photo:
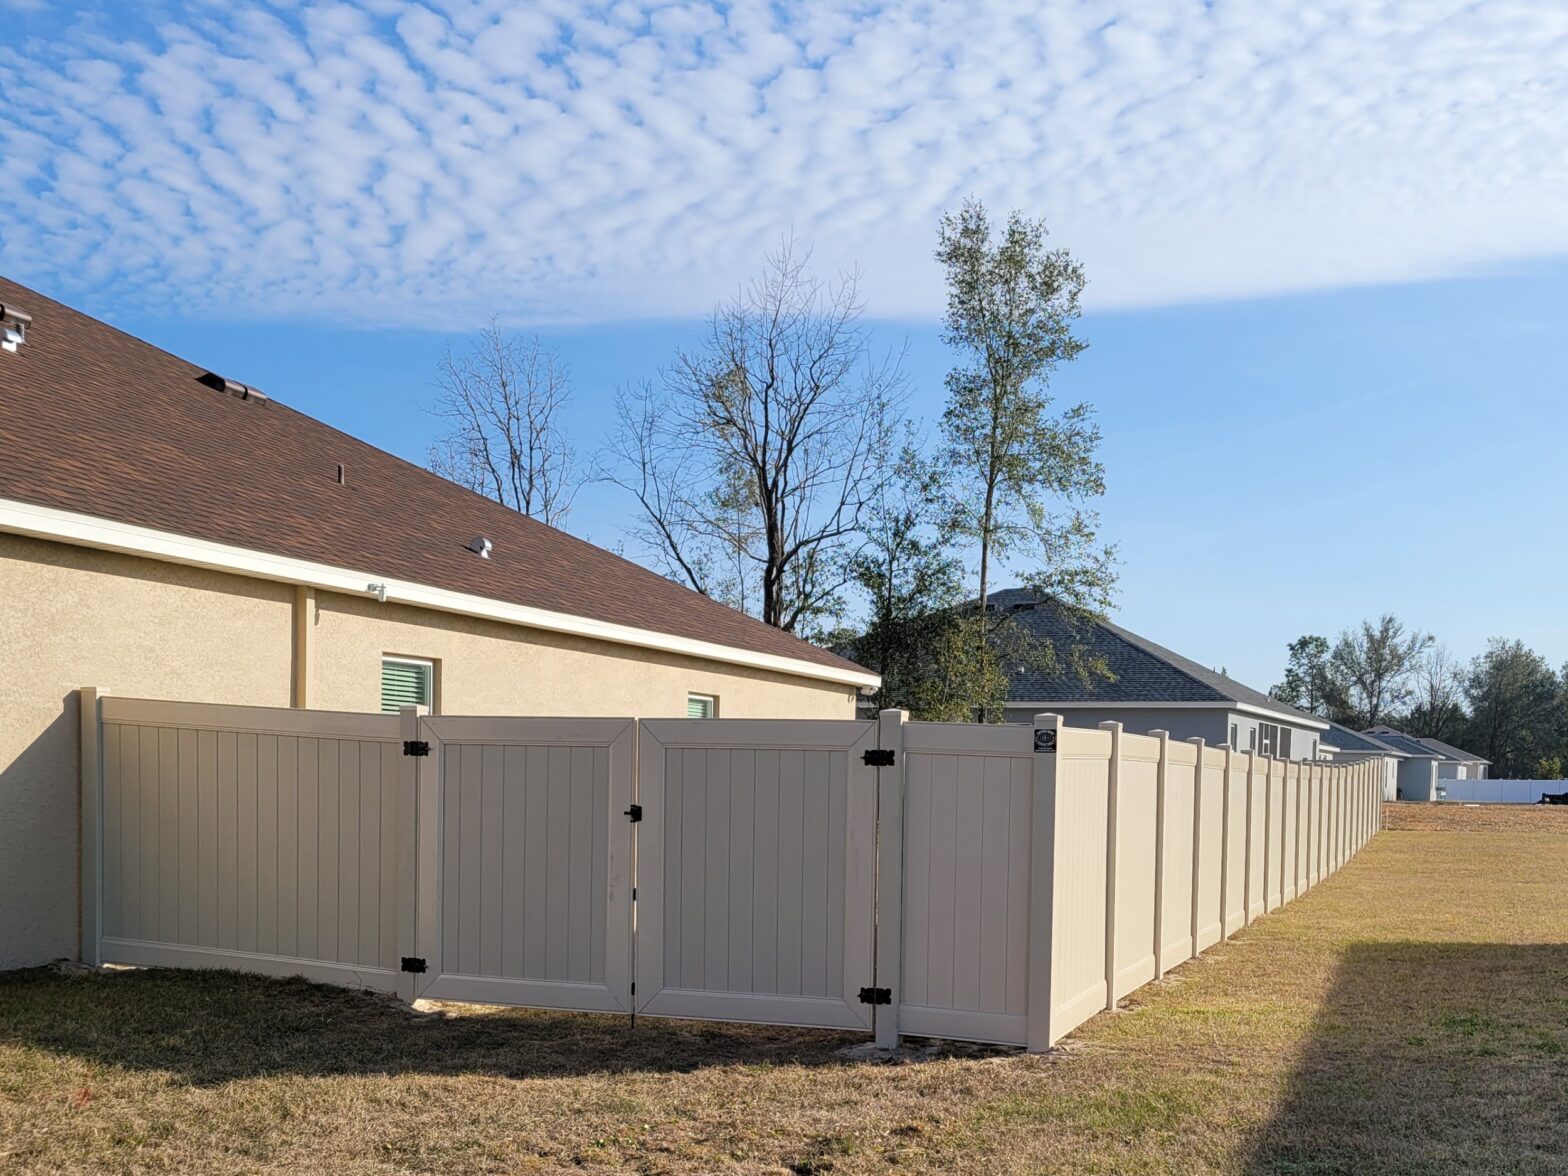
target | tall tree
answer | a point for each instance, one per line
(502, 399)
(755, 464)
(1307, 685)
(1373, 665)
(1437, 708)
(1514, 708)
(1019, 472)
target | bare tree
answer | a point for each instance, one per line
(756, 462)
(502, 399)
(1438, 707)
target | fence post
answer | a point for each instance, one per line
(1042, 881)
(1112, 836)
(1225, 843)
(1268, 828)
(890, 875)
(90, 827)
(1159, 852)
(408, 816)
(1197, 836)
(1246, 861)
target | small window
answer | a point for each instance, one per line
(406, 681)
(1252, 739)
(1235, 741)
(702, 706)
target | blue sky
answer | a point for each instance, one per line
(1328, 249)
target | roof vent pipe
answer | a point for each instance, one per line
(481, 547)
(13, 327)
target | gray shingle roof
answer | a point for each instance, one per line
(1450, 751)
(1347, 740)
(1142, 670)
(1405, 743)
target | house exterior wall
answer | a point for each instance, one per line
(1418, 780)
(488, 668)
(73, 616)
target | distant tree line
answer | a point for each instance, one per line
(772, 465)
(1507, 704)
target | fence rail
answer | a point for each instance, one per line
(991, 883)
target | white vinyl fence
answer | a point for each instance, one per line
(1498, 791)
(990, 883)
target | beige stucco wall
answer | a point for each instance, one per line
(73, 617)
(487, 668)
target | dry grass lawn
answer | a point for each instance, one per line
(1409, 1015)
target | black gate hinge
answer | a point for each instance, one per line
(876, 996)
(634, 813)
(879, 757)
(415, 747)
(413, 964)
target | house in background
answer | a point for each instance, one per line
(1456, 764)
(166, 532)
(1342, 745)
(1150, 687)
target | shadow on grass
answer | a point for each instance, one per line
(1431, 1057)
(210, 1027)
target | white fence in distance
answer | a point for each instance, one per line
(1498, 791)
(990, 883)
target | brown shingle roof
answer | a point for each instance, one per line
(97, 422)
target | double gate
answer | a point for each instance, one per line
(682, 868)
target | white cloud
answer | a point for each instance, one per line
(392, 161)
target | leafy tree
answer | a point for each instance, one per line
(1514, 708)
(1019, 473)
(1549, 768)
(1307, 685)
(1372, 667)
(756, 463)
(502, 399)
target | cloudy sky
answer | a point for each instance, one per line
(388, 163)
(1299, 220)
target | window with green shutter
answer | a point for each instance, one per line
(701, 706)
(407, 682)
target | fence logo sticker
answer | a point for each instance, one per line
(1045, 741)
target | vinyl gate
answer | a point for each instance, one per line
(756, 871)
(524, 862)
(990, 883)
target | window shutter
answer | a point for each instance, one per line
(404, 684)
(699, 706)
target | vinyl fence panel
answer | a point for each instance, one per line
(213, 855)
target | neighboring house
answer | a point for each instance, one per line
(167, 533)
(1457, 764)
(1150, 687)
(1418, 771)
(1342, 745)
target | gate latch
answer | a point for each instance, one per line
(634, 813)
(878, 757)
(413, 964)
(876, 996)
(416, 747)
